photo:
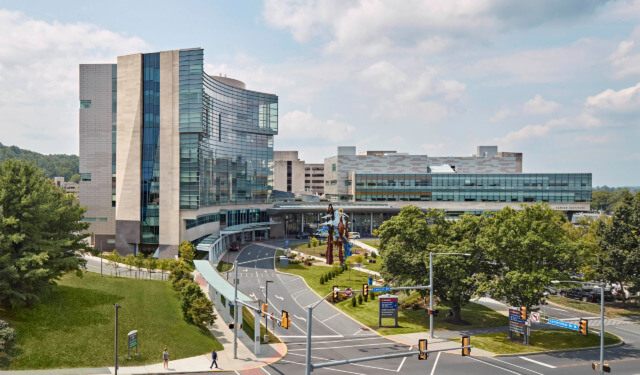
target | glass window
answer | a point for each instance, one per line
(85, 176)
(85, 104)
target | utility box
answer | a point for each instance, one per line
(284, 262)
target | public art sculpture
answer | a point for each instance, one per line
(337, 220)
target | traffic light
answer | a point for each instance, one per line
(466, 341)
(583, 327)
(264, 308)
(365, 290)
(422, 346)
(335, 292)
(286, 321)
(523, 313)
(605, 367)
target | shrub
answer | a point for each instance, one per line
(200, 312)
(322, 280)
(366, 298)
(374, 255)
(353, 301)
(7, 337)
(309, 245)
(373, 296)
(359, 299)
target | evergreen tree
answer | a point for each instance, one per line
(40, 230)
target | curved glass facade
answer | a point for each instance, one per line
(528, 187)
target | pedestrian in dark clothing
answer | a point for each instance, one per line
(214, 358)
(165, 358)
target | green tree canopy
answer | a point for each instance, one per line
(187, 252)
(526, 250)
(59, 165)
(39, 233)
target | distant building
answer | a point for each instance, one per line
(292, 175)
(69, 187)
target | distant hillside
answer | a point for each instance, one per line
(53, 165)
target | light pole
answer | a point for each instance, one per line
(431, 287)
(235, 311)
(544, 304)
(117, 307)
(266, 299)
(601, 317)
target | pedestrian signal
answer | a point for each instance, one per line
(365, 290)
(286, 322)
(583, 327)
(335, 292)
(523, 313)
(466, 341)
(422, 346)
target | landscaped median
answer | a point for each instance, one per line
(73, 326)
(539, 341)
(612, 309)
(409, 320)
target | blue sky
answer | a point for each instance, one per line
(556, 80)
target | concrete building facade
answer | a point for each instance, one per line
(292, 175)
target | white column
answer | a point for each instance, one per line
(253, 235)
(301, 223)
(371, 231)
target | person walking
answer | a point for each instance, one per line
(214, 358)
(165, 357)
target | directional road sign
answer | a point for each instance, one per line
(348, 292)
(381, 289)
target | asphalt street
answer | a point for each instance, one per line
(337, 337)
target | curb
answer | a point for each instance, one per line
(563, 350)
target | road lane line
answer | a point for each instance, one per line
(433, 370)
(353, 364)
(331, 317)
(333, 342)
(265, 371)
(402, 364)
(358, 331)
(555, 308)
(326, 368)
(540, 363)
(350, 346)
(520, 367)
(297, 317)
(304, 337)
(496, 366)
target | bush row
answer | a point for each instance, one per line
(197, 309)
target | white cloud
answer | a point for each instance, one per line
(625, 60)
(501, 115)
(539, 106)
(376, 27)
(622, 101)
(39, 73)
(527, 132)
(299, 125)
(400, 94)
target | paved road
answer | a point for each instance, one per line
(336, 336)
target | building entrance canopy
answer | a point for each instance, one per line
(219, 283)
(246, 227)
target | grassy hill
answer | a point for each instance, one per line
(73, 327)
(53, 165)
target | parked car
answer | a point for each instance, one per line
(586, 295)
(303, 235)
(354, 235)
(235, 246)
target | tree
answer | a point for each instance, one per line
(179, 272)
(130, 260)
(187, 252)
(619, 242)
(74, 178)
(201, 312)
(152, 264)
(526, 250)
(313, 242)
(164, 266)
(40, 233)
(114, 260)
(139, 262)
(375, 232)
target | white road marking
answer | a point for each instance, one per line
(540, 363)
(304, 337)
(326, 368)
(297, 317)
(331, 317)
(252, 295)
(520, 367)
(280, 298)
(402, 364)
(353, 364)
(435, 363)
(349, 346)
(265, 371)
(331, 342)
(358, 331)
(555, 308)
(496, 366)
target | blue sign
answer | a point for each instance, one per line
(514, 316)
(381, 289)
(286, 243)
(562, 324)
(386, 304)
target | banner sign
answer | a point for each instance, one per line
(562, 324)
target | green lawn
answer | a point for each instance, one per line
(224, 266)
(539, 341)
(409, 320)
(373, 266)
(321, 250)
(375, 244)
(612, 309)
(73, 326)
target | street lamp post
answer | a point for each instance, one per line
(431, 287)
(235, 311)
(116, 364)
(601, 317)
(266, 299)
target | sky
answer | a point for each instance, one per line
(558, 81)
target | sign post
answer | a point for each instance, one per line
(133, 341)
(388, 308)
